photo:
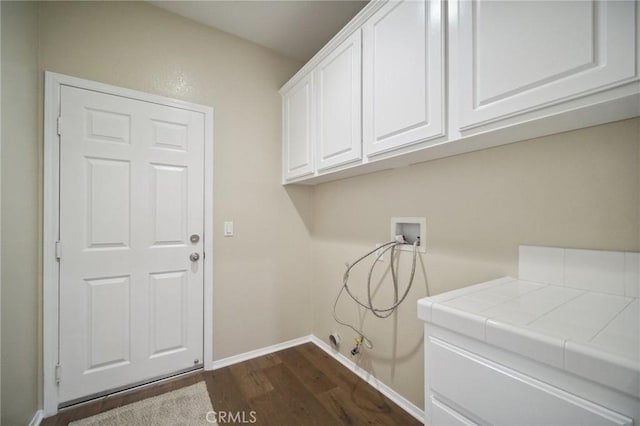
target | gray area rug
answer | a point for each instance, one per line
(186, 406)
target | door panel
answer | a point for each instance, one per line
(402, 75)
(131, 194)
(108, 210)
(510, 63)
(298, 129)
(107, 126)
(108, 322)
(168, 320)
(338, 89)
(168, 135)
(169, 189)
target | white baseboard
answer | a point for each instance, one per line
(394, 396)
(37, 418)
(225, 362)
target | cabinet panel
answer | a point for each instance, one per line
(389, 88)
(502, 396)
(402, 75)
(297, 129)
(338, 92)
(443, 415)
(516, 57)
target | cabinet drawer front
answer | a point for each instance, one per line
(443, 415)
(402, 75)
(501, 396)
(517, 57)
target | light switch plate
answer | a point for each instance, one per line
(228, 229)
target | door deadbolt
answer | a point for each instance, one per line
(194, 238)
(194, 257)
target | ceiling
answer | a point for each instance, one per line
(294, 28)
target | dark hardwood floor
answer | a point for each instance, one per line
(297, 386)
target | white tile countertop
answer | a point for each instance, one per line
(584, 318)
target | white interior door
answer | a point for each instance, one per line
(131, 196)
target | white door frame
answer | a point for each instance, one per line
(50, 264)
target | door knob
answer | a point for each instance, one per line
(194, 257)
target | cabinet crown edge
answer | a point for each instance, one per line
(354, 25)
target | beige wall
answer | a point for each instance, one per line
(20, 180)
(576, 189)
(261, 278)
(142, 47)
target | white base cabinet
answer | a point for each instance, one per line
(471, 383)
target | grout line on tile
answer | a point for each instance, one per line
(626, 273)
(564, 267)
(512, 298)
(611, 320)
(582, 293)
(468, 292)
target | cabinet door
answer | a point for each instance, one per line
(297, 130)
(338, 92)
(402, 75)
(519, 56)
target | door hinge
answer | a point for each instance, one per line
(58, 250)
(58, 373)
(59, 126)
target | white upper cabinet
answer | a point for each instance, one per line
(338, 112)
(297, 123)
(408, 81)
(402, 75)
(515, 57)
